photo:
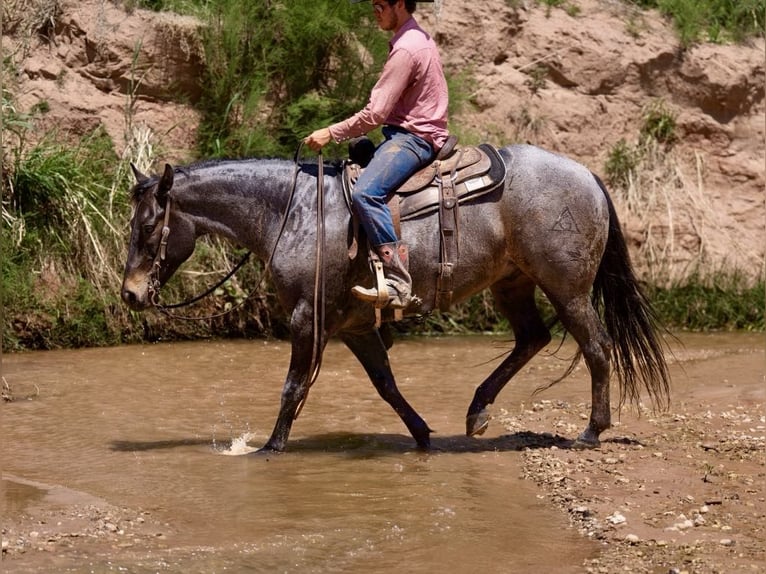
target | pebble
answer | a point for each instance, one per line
(632, 538)
(726, 542)
(616, 518)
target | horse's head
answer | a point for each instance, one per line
(160, 239)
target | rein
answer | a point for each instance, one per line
(318, 325)
(154, 282)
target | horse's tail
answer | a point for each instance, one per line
(631, 322)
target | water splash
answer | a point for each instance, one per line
(238, 445)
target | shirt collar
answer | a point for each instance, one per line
(408, 25)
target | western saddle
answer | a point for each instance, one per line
(457, 175)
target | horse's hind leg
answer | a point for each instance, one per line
(370, 350)
(515, 299)
(580, 319)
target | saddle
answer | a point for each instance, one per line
(460, 175)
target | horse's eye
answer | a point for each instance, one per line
(148, 229)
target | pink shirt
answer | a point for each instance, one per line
(411, 92)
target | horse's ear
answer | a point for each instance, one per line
(140, 177)
(166, 182)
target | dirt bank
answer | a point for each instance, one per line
(575, 79)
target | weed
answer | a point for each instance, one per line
(713, 20)
(536, 78)
(621, 164)
(725, 301)
(658, 123)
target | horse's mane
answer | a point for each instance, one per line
(187, 170)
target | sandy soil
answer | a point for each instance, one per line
(680, 491)
(684, 491)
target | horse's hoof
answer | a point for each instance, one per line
(586, 441)
(475, 425)
(266, 452)
(423, 439)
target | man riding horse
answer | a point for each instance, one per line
(410, 101)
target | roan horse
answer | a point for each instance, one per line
(551, 225)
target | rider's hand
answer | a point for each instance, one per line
(318, 139)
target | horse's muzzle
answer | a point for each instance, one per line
(137, 299)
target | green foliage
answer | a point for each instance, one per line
(723, 302)
(713, 20)
(659, 123)
(56, 188)
(537, 77)
(277, 71)
(658, 126)
(621, 164)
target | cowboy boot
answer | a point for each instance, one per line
(395, 259)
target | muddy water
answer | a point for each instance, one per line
(156, 430)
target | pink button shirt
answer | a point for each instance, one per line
(411, 92)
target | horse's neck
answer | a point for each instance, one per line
(239, 201)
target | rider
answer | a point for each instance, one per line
(410, 101)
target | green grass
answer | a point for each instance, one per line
(722, 302)
(712, 20)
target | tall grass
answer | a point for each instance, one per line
(274, 73)
(712, 20)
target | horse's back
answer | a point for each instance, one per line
(558, 216)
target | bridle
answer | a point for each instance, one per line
(159, 258)
(154, 278)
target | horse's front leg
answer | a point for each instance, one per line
(298, 379)
(370, 350)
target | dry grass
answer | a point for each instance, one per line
(680, 231)
(27, 18)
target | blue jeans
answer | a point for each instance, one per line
(399, 156)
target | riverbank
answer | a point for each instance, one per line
(682, 491)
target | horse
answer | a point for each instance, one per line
(551, 225)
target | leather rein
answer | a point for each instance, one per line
(159, 258)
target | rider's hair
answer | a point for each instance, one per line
(411, 5)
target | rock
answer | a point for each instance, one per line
(616, 518)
